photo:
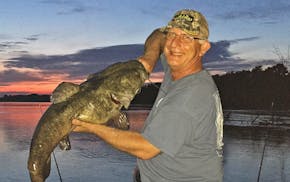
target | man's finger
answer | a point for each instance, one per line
(78, 129)
(76, 122)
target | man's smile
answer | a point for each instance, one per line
(175, 53)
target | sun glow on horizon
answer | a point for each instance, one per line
(155, 77)
(46, 87)
(42, 87)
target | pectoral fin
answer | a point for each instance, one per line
(120, 121)
(64, 144)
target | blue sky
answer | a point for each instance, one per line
(243, 33)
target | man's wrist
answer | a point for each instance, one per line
(145, 62)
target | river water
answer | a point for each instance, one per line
(250, 153)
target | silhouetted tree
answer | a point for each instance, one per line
(256, 89)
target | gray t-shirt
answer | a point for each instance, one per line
(185, 123)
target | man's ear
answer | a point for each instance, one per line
(205, 46)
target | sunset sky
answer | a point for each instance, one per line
(45, 42)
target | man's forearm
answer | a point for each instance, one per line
(128, 141)
(154, 45)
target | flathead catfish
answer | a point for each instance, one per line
(99, 99)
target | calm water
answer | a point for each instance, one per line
(93, 160)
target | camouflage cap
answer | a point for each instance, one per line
(190, 21)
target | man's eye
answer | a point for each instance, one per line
(186, 37)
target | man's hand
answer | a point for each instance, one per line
(81, 126)
(154, 45)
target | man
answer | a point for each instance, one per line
(182, 137)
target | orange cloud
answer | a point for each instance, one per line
(42, 87)
(156, 77)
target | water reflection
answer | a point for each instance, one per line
(93, 160)
(17, 123)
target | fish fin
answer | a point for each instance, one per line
(64, 144)
(64, 91)
(120, 121)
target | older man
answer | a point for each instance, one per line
(182, 137)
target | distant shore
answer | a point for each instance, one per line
(47, 102)
(25, 98)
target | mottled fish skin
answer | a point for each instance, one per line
(99, 100)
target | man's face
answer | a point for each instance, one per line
(180, 49)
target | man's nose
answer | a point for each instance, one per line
(175, 41)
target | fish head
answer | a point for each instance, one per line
(123, 100)
(129, 83)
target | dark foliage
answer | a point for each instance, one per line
(256, 89)
(25, 98)
(147, 96)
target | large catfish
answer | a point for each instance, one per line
(99, 100)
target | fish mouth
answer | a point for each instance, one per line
(115, 100)
(121, 100)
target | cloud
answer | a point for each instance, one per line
(220, 58)
(20, 52)
(61, 2)
(73, 11)
(82, 63)
(8, 45)
(269, 22)
(156, 77)
(11, 44)
(31, 38)
(12, 75)
(268, 11)
(246, 14)
(246, 39)
(34, 37)
(79, 64)
(69, 6)
(219, 50)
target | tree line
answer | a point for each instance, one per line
(256, 89)
(248, 89)
(25, 98)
